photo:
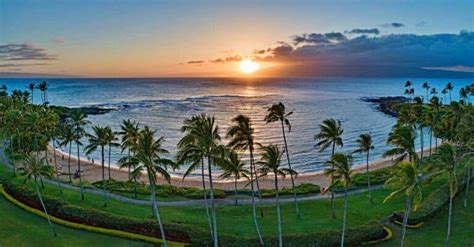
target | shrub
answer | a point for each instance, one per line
(302, 189)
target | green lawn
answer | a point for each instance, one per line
(433, 232)
(316, 215)
(20, 228)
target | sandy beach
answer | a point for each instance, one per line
(93, 172)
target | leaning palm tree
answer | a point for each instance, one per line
(427, 88)
(403, 138)
(271, 163)
(365, 145)
(67, 138)
(129, 135)
(406, 178)
(234, 167)
(277, 113)
(99, 139)
(35, 167)
(148, 156)
(78, 122)
(330, 134)
(111, 142)
(339, 167)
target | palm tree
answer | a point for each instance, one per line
(427, 88)
(330, 134)
(148, 156)
(403, 138)
(99, 139)
(340, 170)
(444, 92)
(447, 161)
(111, 142)
(31, 87)
(420, 119)
(276, 113)
(406, 178)
(67, 138)
(36, 168)
(129, 135)
(365, 145)
(270, 163)
(78, 122)
(464, 95)
(43, 87)
(408, 86)
(449, 88)
(233, 166)
(435, 105)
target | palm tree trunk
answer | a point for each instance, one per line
(258, 186)
(421, 144)
(333, 207)
(344, 217)
(280, 234)
(235, 191)
(431, 137)
(467, 186)
(69, 162)
(254, 211)
(298, 216)
(79, 172)
(405, 219)
(205, 197)
(104, 183)
(213, 206)
(14, 160)
(368, 177)
(110, 147)
(56, 167)
(157, 214)
(450, 213)
(44, 209)
(129, 167)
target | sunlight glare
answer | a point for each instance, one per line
(248, 66)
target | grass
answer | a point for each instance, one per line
(315, 215)
(433, 232)
(20, 228)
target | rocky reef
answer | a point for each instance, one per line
(387, 105)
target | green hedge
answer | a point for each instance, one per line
(183, 232)
(302, 189)
(359, 180)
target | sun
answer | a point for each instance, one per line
(248, 66)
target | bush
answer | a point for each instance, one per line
(302, 189)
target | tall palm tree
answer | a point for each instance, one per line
(444, 92)
(330, 134)
(43, 87)
(67, 138)
(449, 88)
(406, 178)
(365, 145)
(98, 139)
(111, 142)
(419, 112)
(464, 95)
(31, 87)
(435, 104)
(78, 122)
(427, 88)
(129, 135)
(148, 156)
(277, 113)
(339, 167)
(403, 138)
(408, 86)
(234, 167)
(36, 168)
(271, 163)
(241, 135)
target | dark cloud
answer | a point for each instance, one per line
(318, 38)
(389, 55)
(12, 65)
(235, 58)
(18, 52)
(260, 51)
(195, 62)
(393, 24)
(363, 31)
(421, 23)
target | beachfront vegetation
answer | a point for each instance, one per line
(29, 128)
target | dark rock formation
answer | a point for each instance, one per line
(387, 105)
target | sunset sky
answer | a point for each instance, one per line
(210, 38)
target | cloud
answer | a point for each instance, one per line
(318, 38)
(59, 41)
(364, 31)
(235, 58)
(196, 62)
(12, 65)
(23, 52)
(393, 24)
(458, 68)
(421, 23)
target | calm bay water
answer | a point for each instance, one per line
(163, 104)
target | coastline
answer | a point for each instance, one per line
(93, 172)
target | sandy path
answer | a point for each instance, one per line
(93, 172)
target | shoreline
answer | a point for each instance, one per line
(93, 172)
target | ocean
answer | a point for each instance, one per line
(164, 103)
